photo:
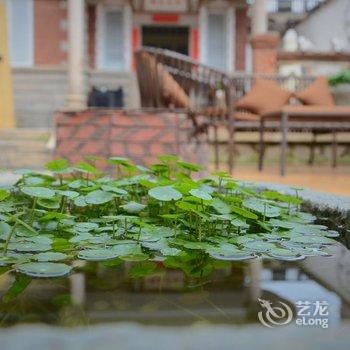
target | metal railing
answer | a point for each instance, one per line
(291, 6)
(243, 83)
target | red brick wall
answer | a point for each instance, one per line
(140, 136)
(241, 37)
(49, 35)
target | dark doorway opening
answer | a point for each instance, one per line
(171, 38)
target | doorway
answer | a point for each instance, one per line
(173, 38)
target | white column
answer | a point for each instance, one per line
(259, 17)
(76, 55)
(203, 29)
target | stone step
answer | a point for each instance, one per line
(24, 148)
(20, 134)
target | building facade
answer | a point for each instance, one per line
(335, 36)
(214, 32)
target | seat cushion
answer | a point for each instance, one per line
(214, 112)
(319, 114)
(246, 116)
(317, 94)
(265, 96)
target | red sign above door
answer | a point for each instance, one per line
(165, 18)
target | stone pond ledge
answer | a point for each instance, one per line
(131, 336)
(321, 200)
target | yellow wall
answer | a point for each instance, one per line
(7, 119)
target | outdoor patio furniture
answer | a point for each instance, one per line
(319, 115)
(171, 80)
(317, 118)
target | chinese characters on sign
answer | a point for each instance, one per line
(307, 313)
(165, 5)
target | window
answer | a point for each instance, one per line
(216, 40)
(111, 39)
(20, 31)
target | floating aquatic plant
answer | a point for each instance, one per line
(147, 215)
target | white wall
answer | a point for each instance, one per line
(332, 20)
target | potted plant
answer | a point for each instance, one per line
(340, 84)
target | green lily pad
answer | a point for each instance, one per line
(58, 166)
(3, 194)
(281, 223)
(133, 207)
(29, 247)
(80, 184)
(6, 208)
(165, 193)
(114, 189)
(97, 254)
(262, 207)
(312, 240)
(243, 212)
(39, 239)
(257, 246)
(5, 230)
(49, 203)
(38, 192)
(285, 254)
(220, 206)
(86, 168)
(332, 234)
(86, 226)
(201, 194)
(44, 269)
(50, 256)
(234, 257)
(223, 249)
(98, 197)
(190, 244)
(81, 237)
(68, 194)
(119, 161)
(189, 166)
(168, 251)
(127, 249)
(80, 201)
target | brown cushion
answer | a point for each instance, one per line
(317, 94)
(172, 92)
(247, 116)
(214, 112)
(265, 96)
